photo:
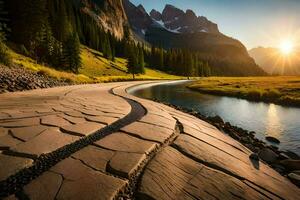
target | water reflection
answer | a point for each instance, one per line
(273, 124)
(265, 119)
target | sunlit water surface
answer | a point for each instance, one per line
(263, 118)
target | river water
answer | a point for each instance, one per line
(265, 119)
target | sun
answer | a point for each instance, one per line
(286, 47)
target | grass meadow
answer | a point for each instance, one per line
(284, 90)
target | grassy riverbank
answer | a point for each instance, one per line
(95, 68)
(284, 90)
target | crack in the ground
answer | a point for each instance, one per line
(43, 163)
(97, 170)
(161, 126)
(10, 133)
(138, 136)
(167, 142)
(266, 190)
(19, 154)
(221, 169)
(213, 146)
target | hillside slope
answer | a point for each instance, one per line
(95, 68)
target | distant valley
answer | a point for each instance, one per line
(273, 62)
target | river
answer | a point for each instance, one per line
(266, 119)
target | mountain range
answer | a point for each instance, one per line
(175, 28)
(272, 61)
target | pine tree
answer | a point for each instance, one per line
(141, 60)
(4, 56)
(106, 47)
(132, 61)
(62, 27)
(27, 19)
(71, 53)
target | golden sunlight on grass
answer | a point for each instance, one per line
(277, 89)
(95, 68)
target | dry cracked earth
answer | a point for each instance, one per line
(99, 142)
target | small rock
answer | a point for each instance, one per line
(272, 139)
(283, 156)
(216, 119)
(254, 156)
(268, 155)
(295, 177)
(291, 164)
(292, 155)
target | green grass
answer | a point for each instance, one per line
(95, 68)
(284, 90)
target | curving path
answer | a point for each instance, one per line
(99, 142)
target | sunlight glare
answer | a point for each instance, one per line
(286, 47)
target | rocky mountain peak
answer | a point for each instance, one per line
(176, 20)
(142, 9)
(154, 14)
(138, 17)
(171, 19)
(171, 12)
(190, 14)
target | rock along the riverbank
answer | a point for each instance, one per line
(14, 79)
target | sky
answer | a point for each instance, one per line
(255, 23)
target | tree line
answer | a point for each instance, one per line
(51, 31)
(177, 61)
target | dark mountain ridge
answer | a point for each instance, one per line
(174, 28)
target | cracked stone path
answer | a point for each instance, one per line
(99, 142)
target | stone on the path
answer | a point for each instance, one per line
(125, 164)
(268, 155)
(126, 143)
(20, 123)
(158, 120)
(91, 112)
(10, 165)
(102, 119)
(27, 133)
(54, 120)
(82, 182)
(73, 120)
(75, 114)
(211, 136)
(148, 131)
(8, 141)
(48, 141)
(44, 187)
(95, 157)
(83, 129)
